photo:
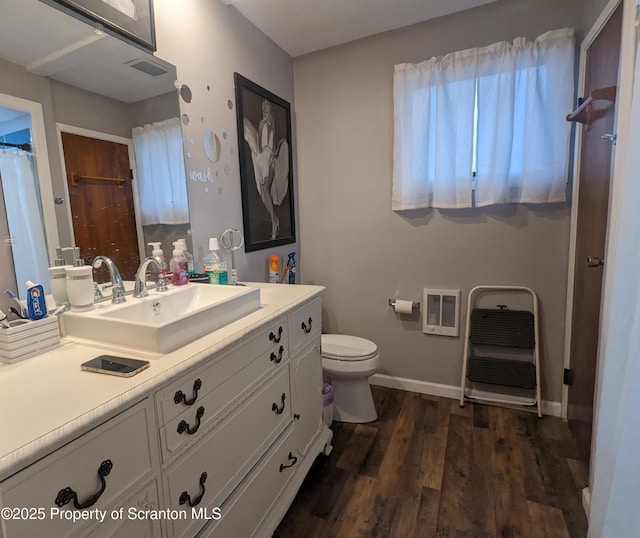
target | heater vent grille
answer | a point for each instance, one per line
(441, 312)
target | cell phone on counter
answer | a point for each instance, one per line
(120, 366)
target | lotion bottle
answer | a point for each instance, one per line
(80, 283)
(58, 279)
(179, 267)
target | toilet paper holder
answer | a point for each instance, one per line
(415, 305)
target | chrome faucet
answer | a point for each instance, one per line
(140, 287)
(117, 286)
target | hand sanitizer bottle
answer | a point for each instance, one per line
(215, 265)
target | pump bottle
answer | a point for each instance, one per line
(188, 256)
(179, 267)
(157, 253)
(215, 265)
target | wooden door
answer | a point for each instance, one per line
(101, 201)
(593, 200)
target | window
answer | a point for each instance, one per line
(162, 183)
(498, 112)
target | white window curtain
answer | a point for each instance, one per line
(525, 91)
(433, 140)
(22, 205)
(519, 94)
(162, 184)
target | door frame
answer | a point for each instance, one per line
(81, 131)
(588, 40)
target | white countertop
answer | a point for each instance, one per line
(47, 400)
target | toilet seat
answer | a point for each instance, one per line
(343, 347)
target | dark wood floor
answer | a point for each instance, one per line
(427, 467)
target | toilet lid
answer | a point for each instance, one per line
(347, 348)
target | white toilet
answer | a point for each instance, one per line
(349, 361)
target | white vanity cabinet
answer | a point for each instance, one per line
(109, 464)
(219, 448)
(262, 498)
(195, 403)
(306, 372)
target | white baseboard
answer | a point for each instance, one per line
(553, 409)
(586, 501)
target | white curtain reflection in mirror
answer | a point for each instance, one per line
(22, 207)
(162, 183)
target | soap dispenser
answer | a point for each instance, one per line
(80, 283)
(179, 268)
(191, 268)
(157, 253)
(58, 279)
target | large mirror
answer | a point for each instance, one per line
(75, 85)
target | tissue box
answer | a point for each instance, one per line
(28, 338)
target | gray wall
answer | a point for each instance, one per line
(208, 42)
(592, 10)
(363, 252)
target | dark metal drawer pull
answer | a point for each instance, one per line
(293, 461)
(186, 498)
(180, 397)
(184, 425)
(305, 328)
(274, 338)
(278, 410)
(67, 494)
(277, 358)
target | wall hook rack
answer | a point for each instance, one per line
(582, 114)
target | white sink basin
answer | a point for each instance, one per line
(164, 321)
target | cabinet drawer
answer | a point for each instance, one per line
(137, 517)
(306, 324)
(245, 510)
(216, 465)
(194, 421)
(125, 441)
(189, 390)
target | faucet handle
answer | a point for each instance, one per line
(97, 293)
(117, 294)
(161, 284)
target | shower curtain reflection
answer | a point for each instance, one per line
(24, 216)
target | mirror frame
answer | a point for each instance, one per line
(43, 168)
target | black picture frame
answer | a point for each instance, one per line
(265, 154)
(130, 19)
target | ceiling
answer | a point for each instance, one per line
(303, 26)
(48, 42)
